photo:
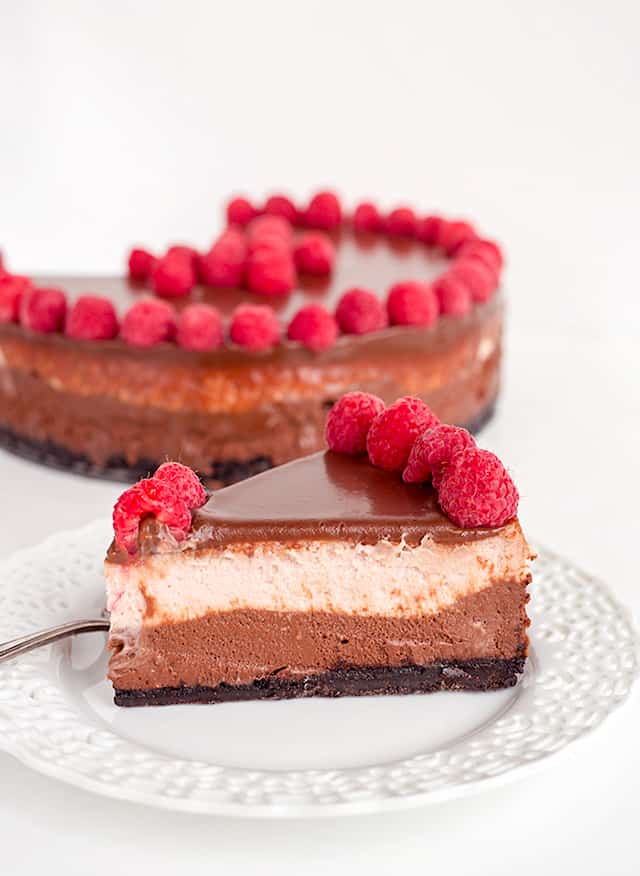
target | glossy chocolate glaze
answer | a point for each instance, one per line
(326, 496)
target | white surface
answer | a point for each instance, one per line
(134, 125)
(57, 713)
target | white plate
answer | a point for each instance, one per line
(300, 757)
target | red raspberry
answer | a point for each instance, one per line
(428, 229)
(412, 303)
(185, 482)
(174, 275)
(12, 291)
(324, 211)
(224, 265)
(476, 490)
(393, 432)
(43, 310)
(349, 422)
(255, 328)
(486, 250)
(360, 312)
(280, 205)
(149, 497)
(148, 322)
(451, 236)
(141, 265)
(402, 222)
(454, 298)
(479, 278)
(240, 212)
(314, 254)
(3, 270)
(200, 328)
(366, 217)
(92, 318)
(270, 229)
(314, 327)
(271, 271)
(188, 252)
(434, 449)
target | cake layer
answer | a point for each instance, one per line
(386, 578)
(471, 675)
(238, 646)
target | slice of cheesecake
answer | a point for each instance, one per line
(327, 576)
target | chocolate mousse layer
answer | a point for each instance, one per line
(478, 642)
(104, 407)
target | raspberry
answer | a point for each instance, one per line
(141, 265)
(478, 277)
(224, 264)
(434, 449)
(255, 328)
(92, 318)
(314, 254)
(12, 291)
(324, 211)
(349, 422)
(366, 217)
(476, 490)
(185, 482)
(280, 205)
(486, 250)
(454, 298)
(43, 310)
(240, 212)
(174, 275)
(200, 328)
(402, 222)
(313, 326)
(269, 229)
(149, 497)
(451, 236)
(428, 229)
(360, 312)
(393, 432)
(412, 303)
(271, 270)
(148, 322)
(187, 252)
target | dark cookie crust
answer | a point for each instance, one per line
(223, 473)
(469, 675)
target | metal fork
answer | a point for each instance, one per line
(45, 637)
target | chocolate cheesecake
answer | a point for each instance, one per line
(326, 576)
(114, 406)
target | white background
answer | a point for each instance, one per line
(125, 122)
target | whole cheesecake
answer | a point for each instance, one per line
(117, 403)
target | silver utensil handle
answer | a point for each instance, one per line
(46, 637)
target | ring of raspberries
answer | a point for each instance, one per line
(474, 488)
(263, 250)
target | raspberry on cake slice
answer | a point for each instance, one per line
(328, 576)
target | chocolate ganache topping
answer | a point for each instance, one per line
(326, 496)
